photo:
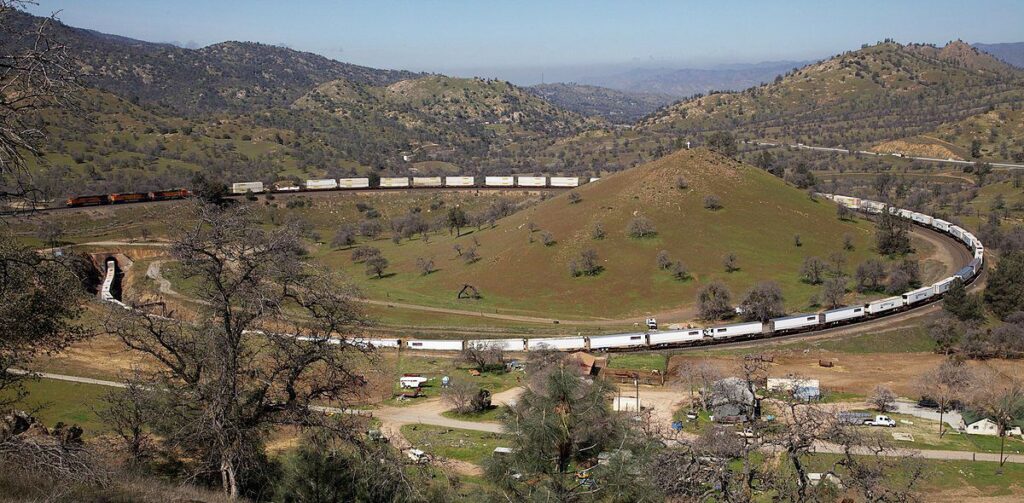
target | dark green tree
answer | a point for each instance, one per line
(1005, 291)
(723, 142)
(892, 235)
(456, 219)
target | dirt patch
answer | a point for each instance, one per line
(918, 147)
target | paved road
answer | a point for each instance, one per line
(866, 152)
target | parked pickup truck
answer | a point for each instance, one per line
(866, 419)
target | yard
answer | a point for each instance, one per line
(464, 445)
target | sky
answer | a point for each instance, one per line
(527, 38)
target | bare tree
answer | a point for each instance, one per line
(597, 232)
(944, 384)
(425, 265)
(699, 375)
(470, 255)
(833, 292)
(882, 399)
(730, 262)
(714, 301)
(264, 347)
(547, 238)
(460, 394)
(712, 202)
(763, 302)
(376, 265)
(483, 356)
(458, 248)
(36, 74)
(663, 260)
(640, 227)
(813, 270)
(1001, 399)
(679, 271)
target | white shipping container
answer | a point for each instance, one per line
(594, 179)
(434, 345)
(426, 181)
(565, 181)
(618, 341)
(842, 313)
(944, 285)
(354, 183)
(505, 344)
(395, 182)
(880, 306)
(325, 184)
(849, 202)
(675, 336)
(375, 343)
(918, 295)
(940, 224)
(794, 322)
(499, 181)
(872, 206)
(531, 181)
(736, 330)
(562, 343)
(459, 181)
(921, 218)
(909, 215)
(243, 187)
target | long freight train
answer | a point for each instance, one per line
(803, 322)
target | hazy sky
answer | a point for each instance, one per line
(461, 37)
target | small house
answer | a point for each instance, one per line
(989, 427)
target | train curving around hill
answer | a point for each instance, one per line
(652, 339)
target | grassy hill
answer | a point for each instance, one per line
(999, 133)
(619, 107)
(760, 216)
(884, 91)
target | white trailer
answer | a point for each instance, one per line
(842, 314)
(618, 341)
(499, 181)
(737, 330)
(394, 182)
(531, 181)
(411, 382)
(565, 181)
(354, 183)
(374, 343)
(921, 294)
(944, 285)
(324, 184)
(921, 218)
(883, 305)
(504, 344)
(675, 336)
(560, 343)
(909, 215)
(594, 179)
(979, 252)
(434, 345)
(459, 181)
(849, 202)
(940, 224)
(794, 322)
(243, 187)
(426, 181)
(872, 206)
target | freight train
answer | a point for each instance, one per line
(415, 182)
(803, 322)
(127, 197)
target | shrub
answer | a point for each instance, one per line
(663, 260)
(598, 231)
(730, 262)
(712, 202)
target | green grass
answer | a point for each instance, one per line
(639, 361)
(52, 401)
(465, 445)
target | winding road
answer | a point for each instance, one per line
(868, 152)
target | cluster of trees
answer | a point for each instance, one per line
(675, 268)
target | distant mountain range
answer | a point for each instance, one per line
(1012, 53)
(686, 82)
(617, 107)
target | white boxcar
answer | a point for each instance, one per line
(922, 219)
(594, 179)
(325, 184)
(979, 253)
(675, 336)
(944, 285)
(459, 181)
(618, 341)
(872, 206)
(376, 343)
(426, 181)
(940, 224)
(354, 183)
(394, 182)
(736, 330)
(557, 343)
(499, 181)
(531, 181)
(923, 293)
(849, 202)
(883, 305)
(243, 187)
(505, 344)
(794, 322)
(435, 345)
(565, 181)
(842, 314)
(909, 215)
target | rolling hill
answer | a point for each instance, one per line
(517, 274)
(879, 92)
(618, 107)
(1010, 53)
(999, 134)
